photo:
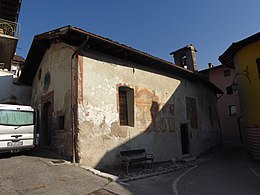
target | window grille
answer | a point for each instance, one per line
(123, 112)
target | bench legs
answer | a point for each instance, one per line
(127, 167)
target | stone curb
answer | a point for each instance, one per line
(176, 168)
(101, 174)
(114, 178)
(146, 175)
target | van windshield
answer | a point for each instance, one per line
(16, 117)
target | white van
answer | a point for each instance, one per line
(18, 128)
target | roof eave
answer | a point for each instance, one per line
(75, 36)
(227, 58)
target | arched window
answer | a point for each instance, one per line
(184, 61)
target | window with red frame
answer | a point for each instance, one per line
(126, 106)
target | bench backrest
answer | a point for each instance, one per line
(132, 152)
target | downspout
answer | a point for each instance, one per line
(73, 98)
(239, 128)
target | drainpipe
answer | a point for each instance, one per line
(239, 128)
(72, 106)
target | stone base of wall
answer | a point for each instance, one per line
(253, 138)
(62, 143)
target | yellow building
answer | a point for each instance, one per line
(244, 57)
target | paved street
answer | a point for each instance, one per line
(229, 172)
(42, 172)
(154, 185)
(35, 173)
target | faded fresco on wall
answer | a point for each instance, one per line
(151, 113)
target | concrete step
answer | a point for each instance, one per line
(186, 155)
(189, 159)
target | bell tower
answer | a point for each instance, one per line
(186, 58)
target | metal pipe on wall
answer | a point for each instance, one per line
(73, 78)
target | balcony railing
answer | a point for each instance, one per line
(9, 28)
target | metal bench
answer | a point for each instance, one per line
(132, 157)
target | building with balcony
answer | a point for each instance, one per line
(12, 91)
(9, 31)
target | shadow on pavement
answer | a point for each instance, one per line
(42, 152)
(45, 152)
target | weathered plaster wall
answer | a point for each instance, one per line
(160, 108)
(207, 135)
(11, 92)
(52, 83)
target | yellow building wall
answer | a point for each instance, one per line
(245, 60)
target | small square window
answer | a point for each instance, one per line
(229, 90)
(232, 110)
(61, 120)
(227, 73)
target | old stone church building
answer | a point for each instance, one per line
(97, 97)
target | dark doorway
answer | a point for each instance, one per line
(46, 132)
(185, 143)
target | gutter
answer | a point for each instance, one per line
(74, 99)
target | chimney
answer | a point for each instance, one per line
(210, 65)
(186, 57)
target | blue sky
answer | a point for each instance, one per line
(157, 27)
